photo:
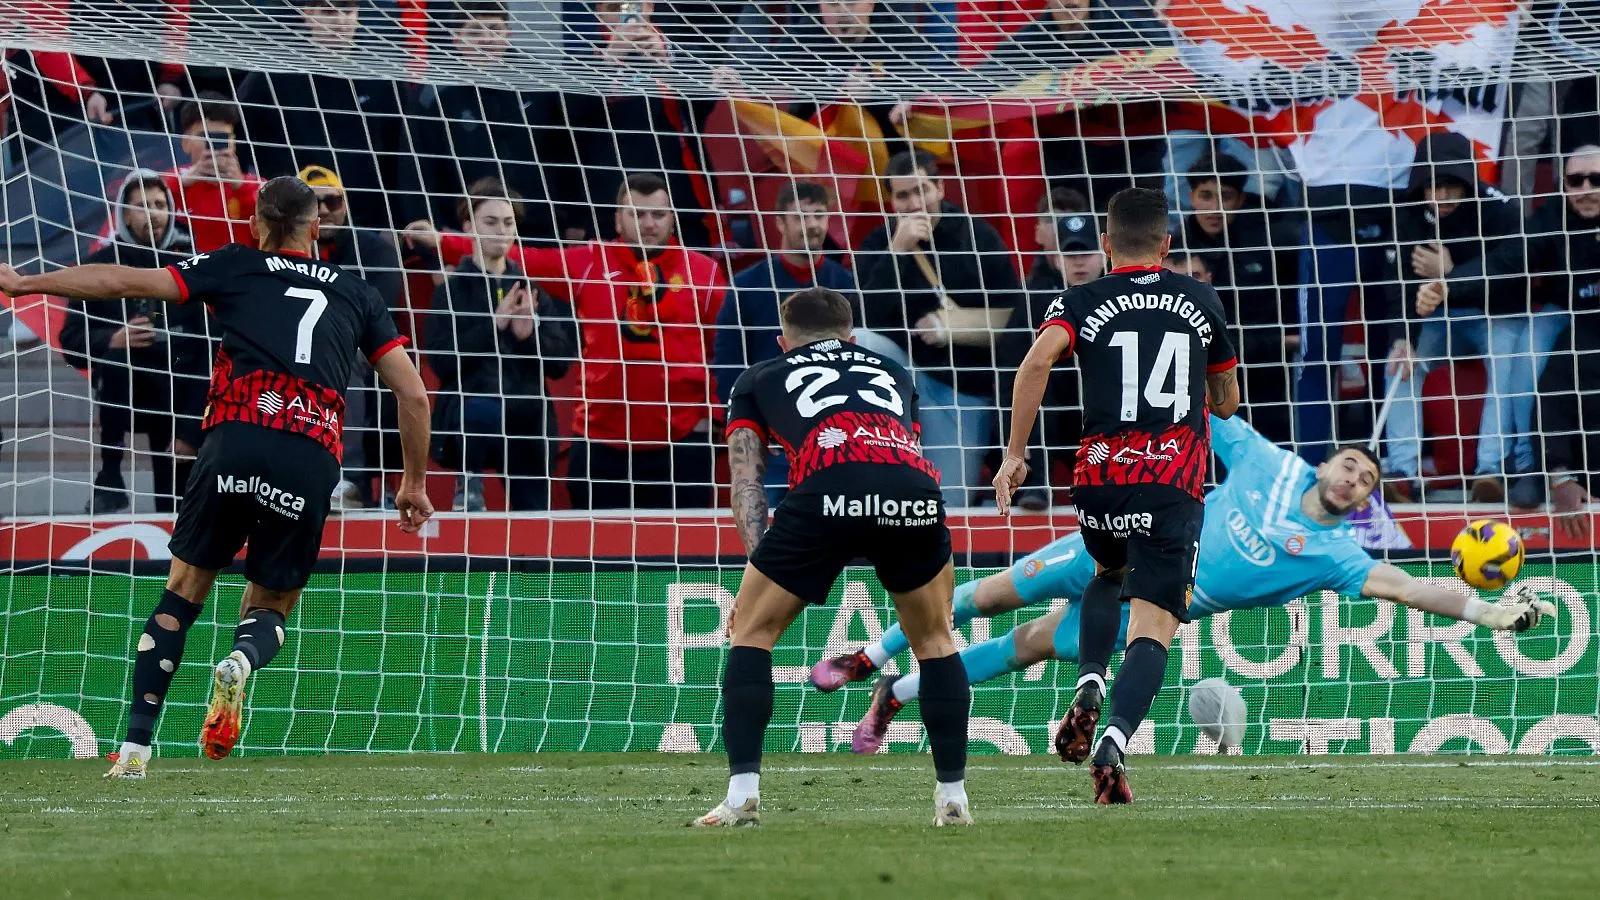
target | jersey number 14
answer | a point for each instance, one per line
(1172, 362)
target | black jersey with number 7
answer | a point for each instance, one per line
(291, 331)
(1145, 338)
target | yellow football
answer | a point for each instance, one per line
(1487, 554)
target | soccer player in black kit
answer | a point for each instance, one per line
(1153, 350)
(291, 329)
(858, 487)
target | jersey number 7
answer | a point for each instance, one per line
(308, 321)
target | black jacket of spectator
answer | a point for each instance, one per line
(789, 42)
(461, 133)
(168, 376)
(1042, 46)
(471, 356)
(370, 254)
(977, 271)
(1555, 260)
(352, 126)
(1484, 222)
(1256, 281)
(1044, 285)
(86, 334)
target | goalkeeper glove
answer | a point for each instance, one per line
(1519, 610)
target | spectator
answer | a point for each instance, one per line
(372, 256)
(940, 285)
(1535, 285)
(637, 128)
(851, 37)
(1450, 219)
(1346, 234)
(1254, 275)
(747, 325)
(1569, 388)
(1070, 237)
(49, 93)
(462, 133)
(868, 51)
(1191, 264)
(159, 353)
(349, 125)
(215, 193)
(493, 340)
(1057, 202)
(1069, 32)
(645, 307)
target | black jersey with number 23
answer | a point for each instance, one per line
(291, 329)
(833, 407)
(1146, 338)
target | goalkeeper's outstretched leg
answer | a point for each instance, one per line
(984, 598)
(1053, 636)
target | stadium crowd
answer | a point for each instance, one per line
(586, 275)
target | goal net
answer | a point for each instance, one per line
(654, 178)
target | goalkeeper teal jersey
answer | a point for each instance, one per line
(1257, 548)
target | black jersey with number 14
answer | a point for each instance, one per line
(1146, 338)
(834, 408)
(291, 329)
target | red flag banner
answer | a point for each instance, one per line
(1348, 86)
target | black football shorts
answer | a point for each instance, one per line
(900, 531)
(261, 485)
(1153, 531)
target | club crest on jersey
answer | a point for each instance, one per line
(1295, 544)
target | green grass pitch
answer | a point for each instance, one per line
(575, 825)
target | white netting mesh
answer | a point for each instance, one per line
(1285, 133)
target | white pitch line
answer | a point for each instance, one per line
(483, 669)
(1299, 765)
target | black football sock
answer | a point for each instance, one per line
(1139, 679)
(154, 663)
(1097, 628)
(946, 700)
(746, 707)
(259, 636)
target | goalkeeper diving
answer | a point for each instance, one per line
(1274, 530)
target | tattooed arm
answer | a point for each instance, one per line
(747, 463)
(1222, 392)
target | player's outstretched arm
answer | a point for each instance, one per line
(747, 463)
(1026, 395)
(411, 396)
(1523, 610)
(1222, 392)
(94, 282)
